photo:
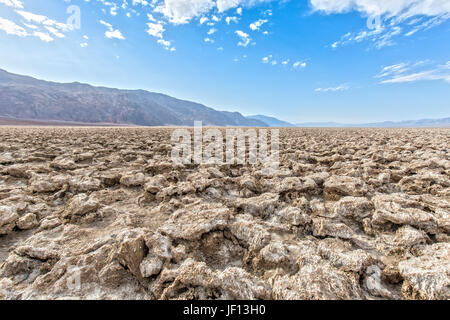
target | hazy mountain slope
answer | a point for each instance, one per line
(423, 123)
(321, 125)
(271, 121)
(23, 97)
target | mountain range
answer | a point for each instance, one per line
(422, 123)
(26, 100)
(271, 121)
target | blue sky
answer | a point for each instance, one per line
(308, 60)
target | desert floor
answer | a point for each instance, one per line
(103, 213)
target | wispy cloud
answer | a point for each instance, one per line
(341, 87)
(112, 33)
(184, 11)
(394, 18)
(12, 3)
(379, 37)
(257, 24)
(245, 38)
(412, 72)
(400, 10)
(297, 65)
(11, 28)
(166, 44)
(228, 20)
(43, 20)
(156, 29)
(33, 25)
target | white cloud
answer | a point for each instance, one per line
(164, 43)
(412, 72)
(224, 5)
(380, 37)
(43, 36)
(113, 10)
(402, 9)
(12, 3)
(182, 11)
(115, 34)
(268, 12)
(141, 2)
(155, 29)
(393, 69)
(31, 17)
(341, 87)
(55, 32)
(395, 17)
(245, 38)
(108, 25)
(11, 28)
(299, 65)
(284, 62)
(267, 59)
(231, 19)
(426, 25)
(206, 12)
(257, 24)
(150, 17)
(111, 33)
(30, 26)
(43, 20)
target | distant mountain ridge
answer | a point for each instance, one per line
(23, 97)
(271, 121)
(422, 123)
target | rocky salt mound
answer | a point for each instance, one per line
(102, 213)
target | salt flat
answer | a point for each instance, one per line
(103, 213)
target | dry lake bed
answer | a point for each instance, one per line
(103, 213)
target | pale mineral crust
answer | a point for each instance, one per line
(103, 213)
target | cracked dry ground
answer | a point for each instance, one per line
(351, 214)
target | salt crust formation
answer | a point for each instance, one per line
(102, 213)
